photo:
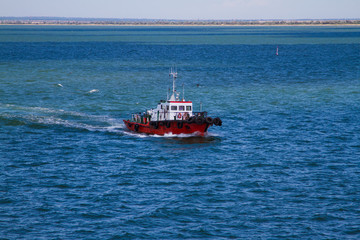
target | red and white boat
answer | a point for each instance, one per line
(173, 116)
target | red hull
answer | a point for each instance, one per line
(167, 127)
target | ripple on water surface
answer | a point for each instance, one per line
(284, 164)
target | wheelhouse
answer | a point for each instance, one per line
(171, 110)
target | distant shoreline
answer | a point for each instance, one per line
(142, 23)
(184, 25)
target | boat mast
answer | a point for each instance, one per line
(173, 73)
(183, 95)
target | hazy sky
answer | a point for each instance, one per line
(184, 9)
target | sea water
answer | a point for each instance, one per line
(285, 164)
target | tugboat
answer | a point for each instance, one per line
(173, 116)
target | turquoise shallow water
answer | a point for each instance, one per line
(284, 165)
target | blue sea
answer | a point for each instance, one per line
(285, 164)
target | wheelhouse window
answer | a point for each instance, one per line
(181, 108)
(174, 108)
(188, 108)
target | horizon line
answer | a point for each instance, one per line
(168, 19)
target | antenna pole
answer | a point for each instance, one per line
(174, 95)
(173, 73)
(183, 97)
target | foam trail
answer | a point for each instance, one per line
(58, 112)
(59, 117)
(41, 109)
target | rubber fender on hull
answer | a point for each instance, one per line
(155, 124)
(209, 120)
(217, 121)
(168, 124)
(136, 128)
(180, 124)
(199, 120)
(191, 119)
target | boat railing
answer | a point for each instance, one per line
(178, 115)
(186, 115)
(202, 114)
(142, 118)
(145, 118)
